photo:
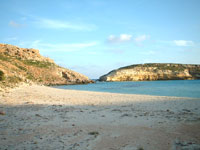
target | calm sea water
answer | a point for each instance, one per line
(180, 88)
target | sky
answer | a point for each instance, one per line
(94, 37)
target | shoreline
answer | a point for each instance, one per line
(127, 93)
(41, 89)
(41, 117)
(58, 87)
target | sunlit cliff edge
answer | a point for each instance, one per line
(154, 71)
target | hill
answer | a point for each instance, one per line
(24, 65)
(154, 71)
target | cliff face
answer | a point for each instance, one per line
(148, 72)
(27, 65)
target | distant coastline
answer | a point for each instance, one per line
(153, 71)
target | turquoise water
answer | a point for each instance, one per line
(180, 88)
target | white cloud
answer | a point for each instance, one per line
(141, 38)
(10, 39)
(69, 47)
(183, 43)
(57, 47)
(59, 24)
(125, 37)
(120, 39)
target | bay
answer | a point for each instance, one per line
(178, 88)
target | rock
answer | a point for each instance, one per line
(95, 133)
(37, 115)
(126, 115)
(186, 110)
(2, 113)
(180, 145)
(156, 71)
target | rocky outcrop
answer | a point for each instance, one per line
(23, 53)
(27, 65)
(156, 71)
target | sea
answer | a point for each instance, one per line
(178, 88)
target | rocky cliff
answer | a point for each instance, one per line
(27, 65)
(155, 71)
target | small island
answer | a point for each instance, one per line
(154, 71)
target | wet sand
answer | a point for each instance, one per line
(40, 117)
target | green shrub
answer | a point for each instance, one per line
(4, 58)
(140, 148)
(14, 79)
(20, 67)
(2, 77)
(40, 80)
(160, 66)
(30, 76)
(41, 64)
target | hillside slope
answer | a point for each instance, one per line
(154, 71)
(27, 65)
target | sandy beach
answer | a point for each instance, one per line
(40, 117)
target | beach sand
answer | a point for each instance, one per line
(40, 117)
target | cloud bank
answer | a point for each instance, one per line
(119, 39)
(183, 43)
(57, 47)
(127, 38)
(60, 24)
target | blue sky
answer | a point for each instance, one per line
(94, 37)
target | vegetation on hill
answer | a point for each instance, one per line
(1, 76)
(160, 66)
